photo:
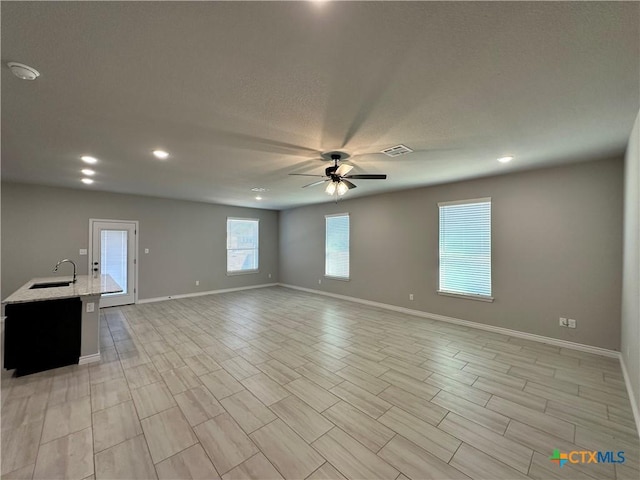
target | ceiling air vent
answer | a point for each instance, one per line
(396, 151)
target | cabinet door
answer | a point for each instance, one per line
(42, 335)
(10, 338)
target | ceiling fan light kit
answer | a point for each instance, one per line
(339, 188)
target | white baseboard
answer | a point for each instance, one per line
(95, 357)
(632, 398)
(200, 294)
(458, 321)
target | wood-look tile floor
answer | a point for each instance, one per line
(275, 383)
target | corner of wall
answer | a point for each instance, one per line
(630, 308)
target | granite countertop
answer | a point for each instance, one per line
(85, 285)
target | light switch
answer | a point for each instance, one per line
(146, 250)
(91, 307)
(83, 251)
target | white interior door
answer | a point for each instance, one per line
(114, 251)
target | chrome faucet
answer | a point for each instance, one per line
(66, 260)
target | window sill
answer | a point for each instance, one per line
(342, 279)
(479, 298)
(242, 272)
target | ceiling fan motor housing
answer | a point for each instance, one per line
(334, 157)
(329, 171)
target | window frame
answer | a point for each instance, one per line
(466, 295)
(326, 231)
(257, 247)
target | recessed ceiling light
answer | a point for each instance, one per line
(87, 181)
(88, 171)
(161, 154)
(258, 197)
(88, 159)
(505, 159)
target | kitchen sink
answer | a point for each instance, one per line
(49, 285)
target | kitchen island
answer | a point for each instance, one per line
(49, 326)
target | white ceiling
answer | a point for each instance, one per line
(242, 93)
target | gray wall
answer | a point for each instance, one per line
(557, 246)
(631, 271)
(186, 240)
(557, 250)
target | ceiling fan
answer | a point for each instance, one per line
(338, 175)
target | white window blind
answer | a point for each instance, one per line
(242, 245)
(337, 246)
(465, 247)
(113, 256)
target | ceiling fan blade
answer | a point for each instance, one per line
(348, 184)
(343, 169)
(315, 183)
(306, 175)
(369, 176)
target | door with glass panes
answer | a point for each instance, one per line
(113, 251)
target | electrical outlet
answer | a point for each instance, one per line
(572, 323)
(563, 322)
(411, 296)
(319, 281)
(91, 307)
(269, 275)
(146, 250)
(197, 282)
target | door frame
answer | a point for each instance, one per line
(135, 223)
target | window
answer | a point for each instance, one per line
(242, 245)
(336, 263)
(465, 248)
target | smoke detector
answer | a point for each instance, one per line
(25, 72)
